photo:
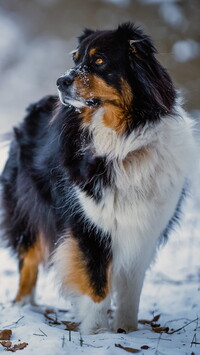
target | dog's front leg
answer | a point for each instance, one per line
(93, 315)
(128, 286)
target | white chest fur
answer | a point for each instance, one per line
(150, 167)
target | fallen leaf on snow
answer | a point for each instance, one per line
(144, 347)
(6, 343)
(160, 329)
(51, 319)
(17, 347)
(120, 330)
(73, 326)
(156, 318)
(146, 321)
(129, 350)
(5, 334)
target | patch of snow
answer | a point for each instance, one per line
(185, 50)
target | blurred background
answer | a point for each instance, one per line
(36, 37)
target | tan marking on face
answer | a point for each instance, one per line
(29, 271)
(77, 54)
(92, 51)
(87, 114)
(72, 267)
(116, 104)
(88, 86)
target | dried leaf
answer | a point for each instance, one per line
(49, 311)
(155, 325)
(6, 344)
(129, 350)
(150, 322)
(156, 318)
(51, 319)
(144, 347)
(161, 329)
(5, 334)
(17, 347)
(120, 330)
(144, 321)
(73, 326)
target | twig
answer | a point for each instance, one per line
(159, 338)
(63, 341)
(40, 335)
(81, 340)
(17, 321)
(194, 339)
(177, 320)
(184, 326)
(93, 346)
(197, 325)
(70, 335)
(43, 332)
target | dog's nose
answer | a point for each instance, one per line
(64, 81)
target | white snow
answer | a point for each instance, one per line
(171, 289)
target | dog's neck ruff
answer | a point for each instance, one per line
(149, 169)
(107, 142)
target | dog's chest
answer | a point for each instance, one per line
(132, 201)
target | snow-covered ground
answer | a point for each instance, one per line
(171, 290)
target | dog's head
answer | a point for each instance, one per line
(117, 70)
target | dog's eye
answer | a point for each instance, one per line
(99, 61)
(75, 56)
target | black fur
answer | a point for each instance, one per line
(47, 157)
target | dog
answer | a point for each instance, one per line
(95, 178)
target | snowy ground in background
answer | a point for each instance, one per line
(171, 289)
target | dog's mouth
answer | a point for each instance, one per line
(78, 102)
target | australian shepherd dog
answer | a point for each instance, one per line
(95, 178)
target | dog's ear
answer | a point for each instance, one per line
(86, 33)
(150, 79)
(136, 39)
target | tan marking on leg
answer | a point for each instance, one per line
(72, 269)
(29, 270)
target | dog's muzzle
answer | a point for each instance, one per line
(68, 94)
